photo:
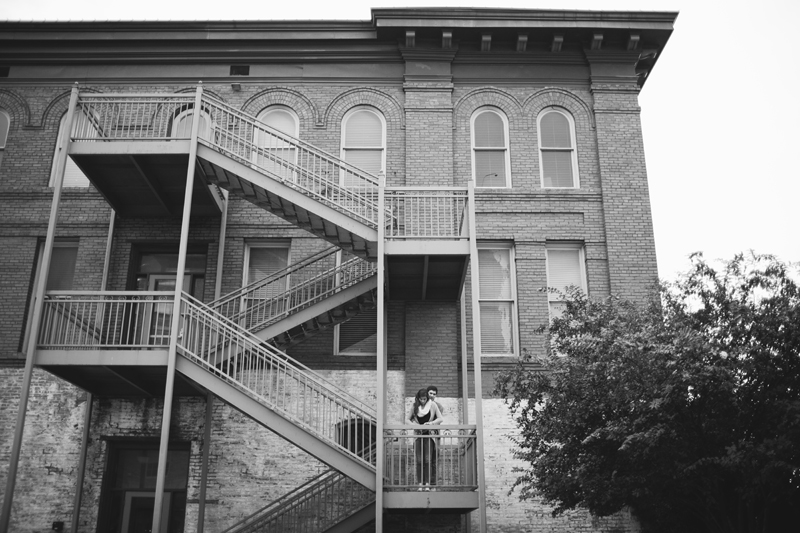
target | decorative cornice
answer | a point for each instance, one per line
(519, 18)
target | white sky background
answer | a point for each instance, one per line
(720, 112)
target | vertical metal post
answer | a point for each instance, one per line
(35, 318)
(476, 355)
(87, 413)
(87, 421)
(221, 250)
(382, 356)
(109, 242)
(201, 512)
(166, 418)
(464, 374)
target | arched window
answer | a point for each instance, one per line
(490, 157)
(557, 155)
(363, 142)
(182, 125)
(277, 150)
(73, 176)
(5, 124)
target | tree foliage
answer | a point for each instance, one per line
(685, 409)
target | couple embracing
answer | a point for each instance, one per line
(426, 412)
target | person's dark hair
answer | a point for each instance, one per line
(432, 388)
(421, 394)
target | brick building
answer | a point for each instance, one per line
(339, 214)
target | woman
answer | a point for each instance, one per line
(427, 413)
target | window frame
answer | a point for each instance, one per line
(4, 134)
(38, 271)
(343, 138)
(277, 243)
(180, 116)
(553, 298)
(262, 116)
(514, 299)
(337, 351)
(576, 182)
(282, 244)
(506, 148)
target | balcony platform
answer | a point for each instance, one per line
(423, 277)
(115, 373)
(145, 184)
(441, 501)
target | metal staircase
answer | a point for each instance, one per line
(222, 346)
(304, 298)
(295, 180)
(328, 503)
(276, 391)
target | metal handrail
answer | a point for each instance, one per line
(273, 378)
(105, 319)
(300, 295)
(331, 497)
(223, 301)
(443, 455)
(426, 213)
(312, 171)
(295, 163)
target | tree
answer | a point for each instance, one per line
(685, 409)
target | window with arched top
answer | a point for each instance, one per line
(5, 124)
(73, 175)
(558, 158)
(276, 154)
(182, 125)
(491, 161)
(363, 142)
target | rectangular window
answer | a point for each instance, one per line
(565, 268)
(359, 335)
(497, 299)
(263, 261)
(60, 277)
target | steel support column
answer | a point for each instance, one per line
(201, 511)
(87, 422)
(35, 318)
(476, 355)
(382, 356)
(166, 418)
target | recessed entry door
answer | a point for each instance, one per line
(161, 316)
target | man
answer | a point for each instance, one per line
(432, 393)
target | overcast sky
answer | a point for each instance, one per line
(720, 112)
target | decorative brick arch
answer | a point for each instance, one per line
(556, 97)
(193, 89)
(294, 100)
(16, 107)
(485, 97)
(58, 106)
(386, 104)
